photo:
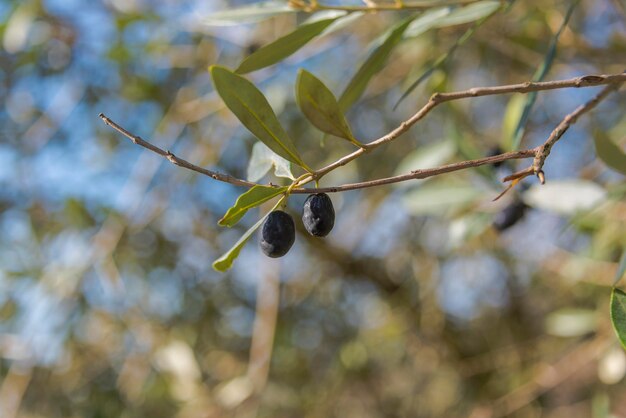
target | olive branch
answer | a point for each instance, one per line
(326, 112)
(265, 192)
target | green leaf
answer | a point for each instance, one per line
(283, 47)
(482, 13)
(426, 156)
(320, 107)
(512, 114)
(438, 199)
(618, 314)
(470, 13)
(565, 197)
(621, 269)
(373, 64)
(248, 200)
(226, 261)
(262, 160)
(540, 74)
(255, 113)
(568, 322)
(467, 227)
(425, 22)
(248, 14)
(610, 153)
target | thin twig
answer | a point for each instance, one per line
(614, 80)
(542, 151)
(173, 158)
(438, 98)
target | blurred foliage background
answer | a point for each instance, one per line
(415, 305)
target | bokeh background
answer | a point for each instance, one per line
(413, 306)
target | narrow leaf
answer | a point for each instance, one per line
(320, 106)
(426, 21)
(610, 153)
(439, 199)
(262, 160)
(439, 62)
(255, 113)
(248, 14)
(372, 65)
(512, 115)
(540, 74)
(283, 47)
(565, 197)
(426, 156)
(248, 200)
(621, 269)
(226, 261)
(469, 13)
(618, 314)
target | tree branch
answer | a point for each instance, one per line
(173, 158)
(542, 151)
(539, 153)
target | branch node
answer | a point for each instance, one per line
(541, 176)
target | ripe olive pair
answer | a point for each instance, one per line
(279, 232)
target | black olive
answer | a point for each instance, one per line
(318, 214)
(278, 234)
(510, 215)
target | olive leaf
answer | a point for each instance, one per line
(262, 160)
(248, 200)
(540, 74)
(255, 113)
(283, 47)
(618, 314)
(443, 58)
(469, 13)
(320, 107)
(373, 64)
(426, 21)
(610, 153)
(248, 14)
(438, 198)
(226, 261)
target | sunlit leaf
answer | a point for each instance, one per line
(610, 153)
(426, 21)
(342, 22)
(618, 314)
(571, 322)
(565, 197)
(248, 200)
(262, 160)
(372, 65)
(226, 261)
(427, 156)
(252, 109)
(512, 114)
(540, 74)
(320, 106)
(439, 199)
(469, 13)
(443, 58)
(283, 47)
(248, 14)
(467, 227)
